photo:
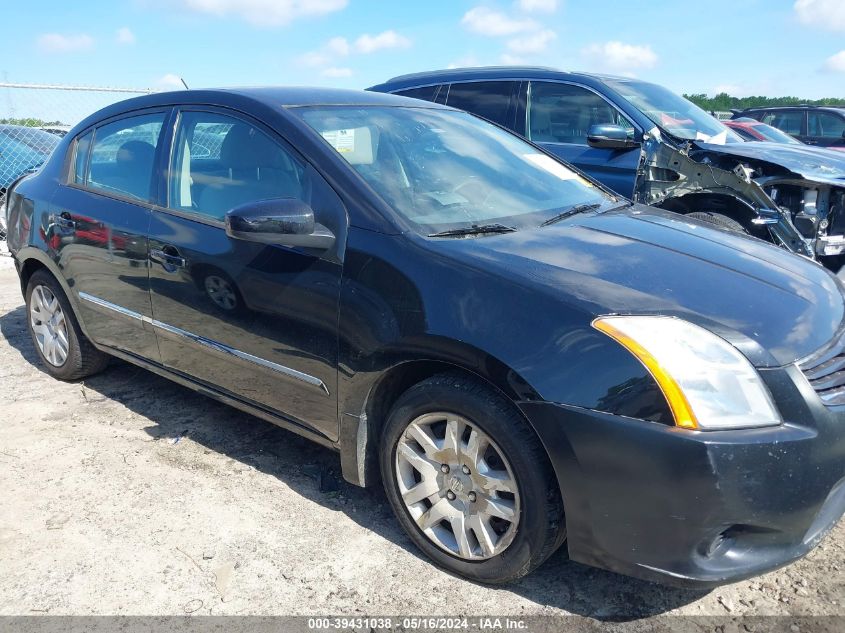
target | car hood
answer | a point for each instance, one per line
(642, 260)
(811, 163)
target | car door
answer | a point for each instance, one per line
(826, 129)
(98, 226)
(256, 321)
(559, 116)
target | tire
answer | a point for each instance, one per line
(80, 357)
(520, 544)
(720, 220)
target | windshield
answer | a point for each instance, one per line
(672, 113)
(444, 170)
(33, 138)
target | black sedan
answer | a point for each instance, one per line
(521, 357)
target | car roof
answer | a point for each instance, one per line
(272, 97)
(449, 75)
(835, 108)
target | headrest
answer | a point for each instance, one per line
(245, 148)
(136, 151)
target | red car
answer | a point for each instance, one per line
(754, 130)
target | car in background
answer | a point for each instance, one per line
(22, 149)
(655, 147)
(814, 125)
(753, 130)
(58, 129)
(520, 356)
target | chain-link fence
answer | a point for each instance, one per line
(34, 118)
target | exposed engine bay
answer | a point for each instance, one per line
(794, 199)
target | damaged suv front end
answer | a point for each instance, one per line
(791, 195)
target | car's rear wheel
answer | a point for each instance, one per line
(64, 350)
(469, 480)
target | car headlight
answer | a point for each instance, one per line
(707, 382)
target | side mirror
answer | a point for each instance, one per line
(609, 136)
(282, 221)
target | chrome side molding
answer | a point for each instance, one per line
(207, 343)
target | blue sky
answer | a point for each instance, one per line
(773, 47)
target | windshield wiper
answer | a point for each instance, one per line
(578, 208)
(475, 229)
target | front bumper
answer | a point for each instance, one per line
(697, 509)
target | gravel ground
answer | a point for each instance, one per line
(129, 494)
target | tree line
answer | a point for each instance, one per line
(725, 102)
(29, 122)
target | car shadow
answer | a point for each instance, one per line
(313, 472)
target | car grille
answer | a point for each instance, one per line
(826, 373)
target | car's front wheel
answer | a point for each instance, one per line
(469, 480)
(65, 351)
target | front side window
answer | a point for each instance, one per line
(123, 156)
(563, 113)
(672, 113)
(443, 170)
(221, 162)
(488, 99)
(825, 125)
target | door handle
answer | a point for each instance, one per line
(168, 256)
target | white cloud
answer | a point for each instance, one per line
(265, 12)
(125, 36)
(58, 43)
(337, 72)
(314, 59)
(538, 6)
(387, 39)
(169, 82)
(836, 63)
(533, 43)
(827, 14)
(495, 24)
(512, 60)
(338, 46)
(620, 57)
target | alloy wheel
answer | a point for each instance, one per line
(457, 486)
(49, 325)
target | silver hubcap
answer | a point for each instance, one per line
(457, 486)
(48, 323)
(220, 292)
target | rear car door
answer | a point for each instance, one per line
(98, 228)
(559, 116)
(256, 321)
(826, 129)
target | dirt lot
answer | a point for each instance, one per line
(131, 495)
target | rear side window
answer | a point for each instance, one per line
(563, 113)
(489, 99)
(426, 94)
(80, 157)
(825, 125)
(789, 122)
(123, 156)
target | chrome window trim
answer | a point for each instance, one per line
(206, 343)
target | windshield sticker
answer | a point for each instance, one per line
(342, 140)
(550, 165)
